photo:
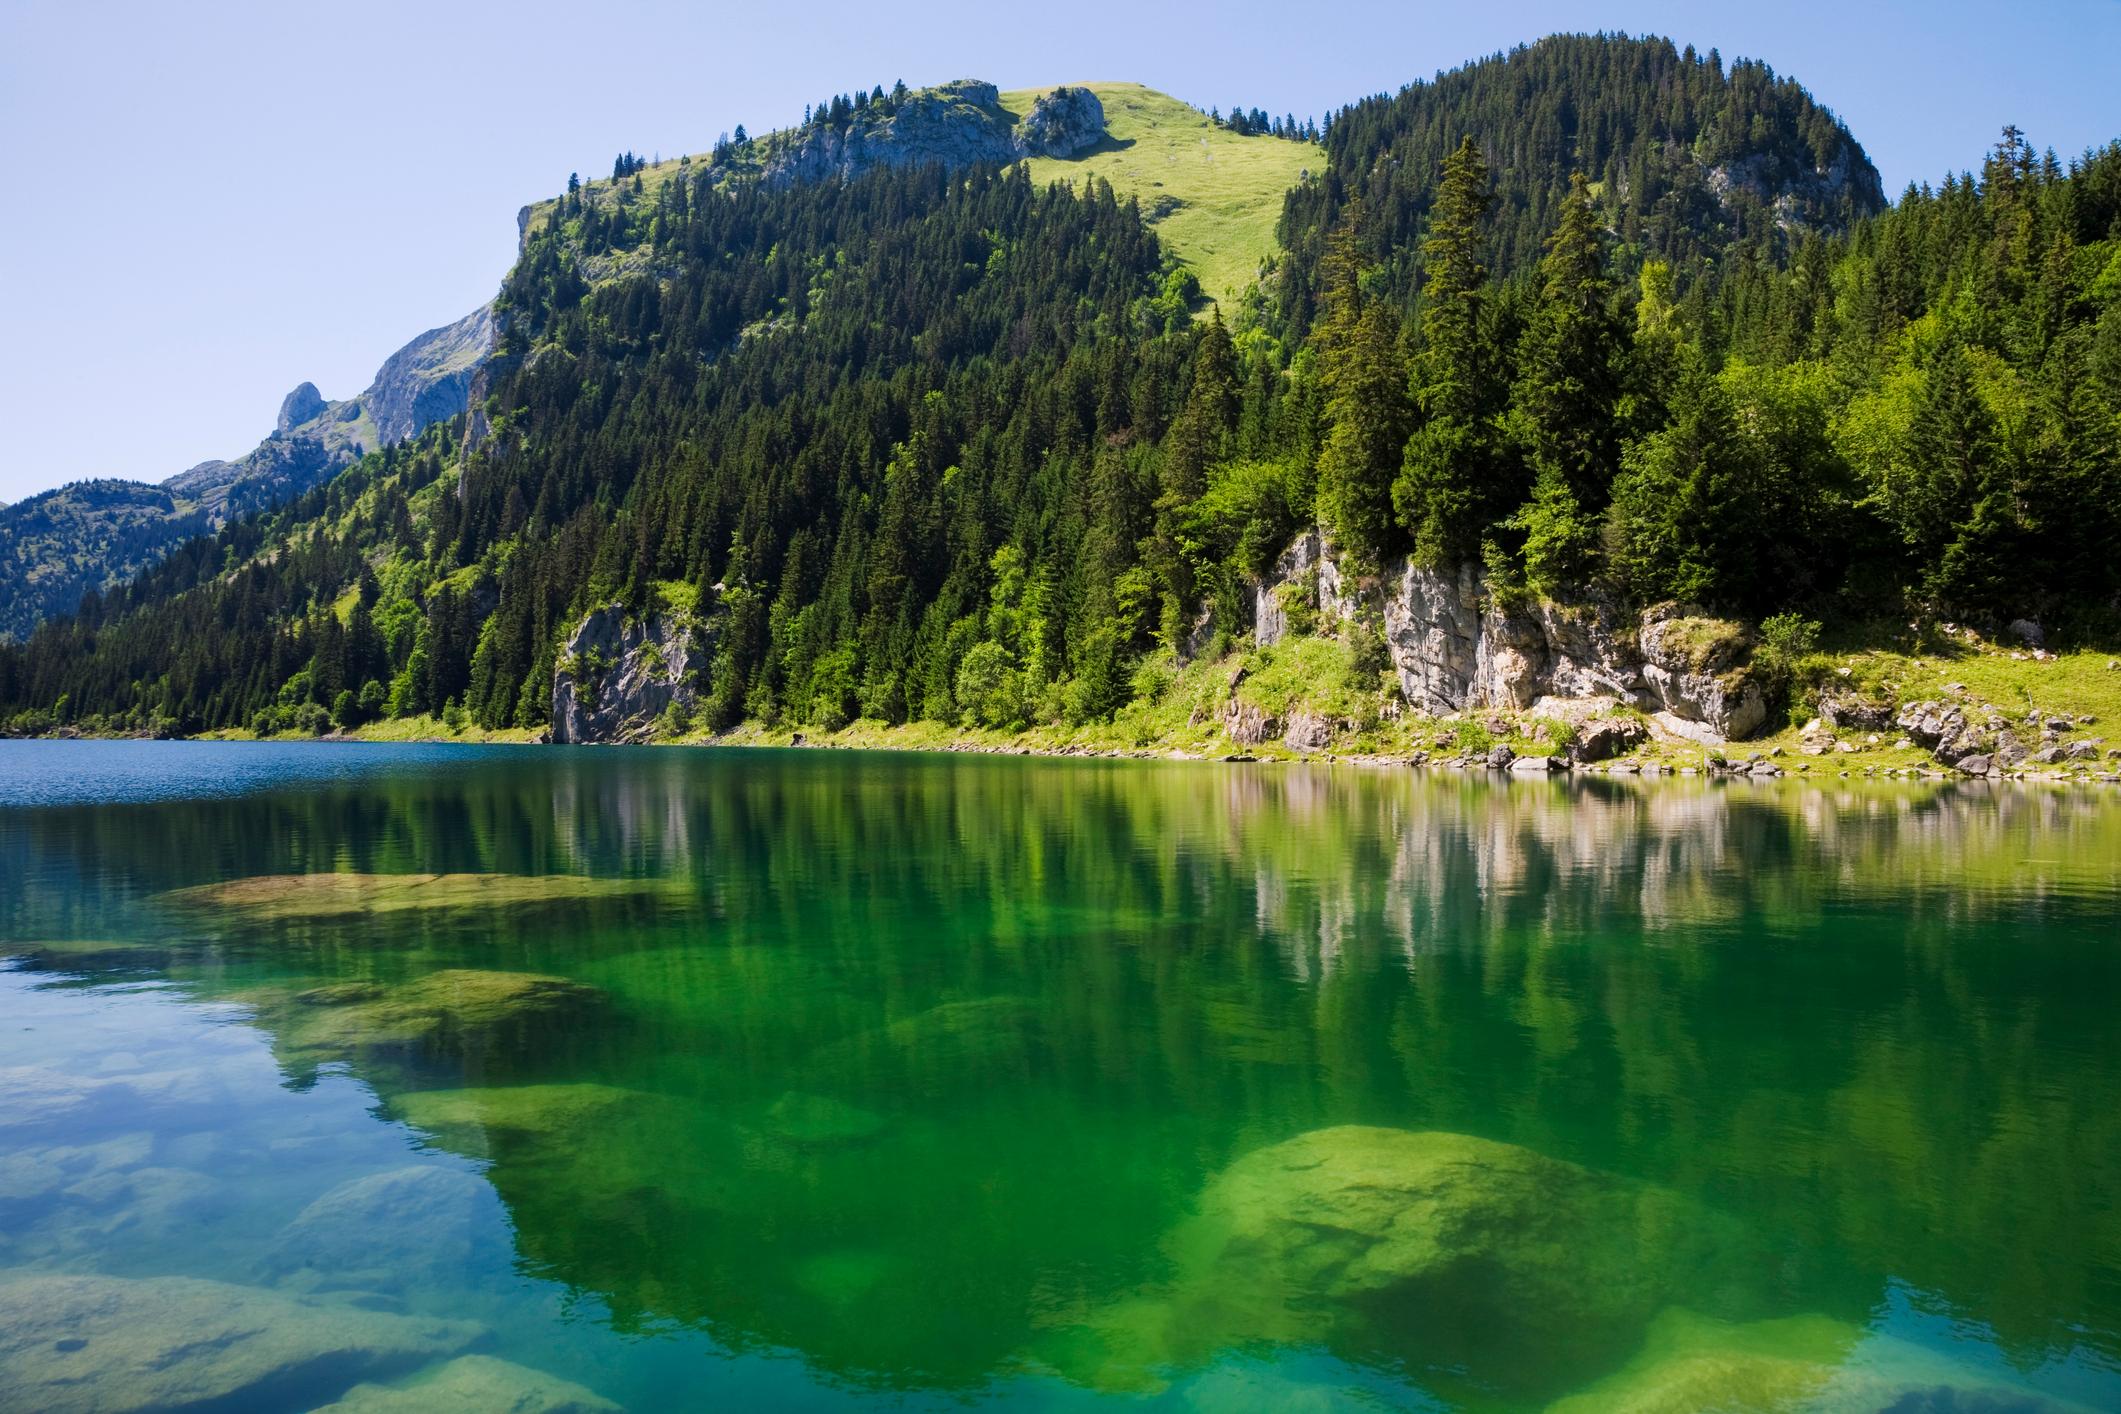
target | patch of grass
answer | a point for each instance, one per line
(1228, 188)
(680, 597)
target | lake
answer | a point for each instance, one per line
(429, 1076)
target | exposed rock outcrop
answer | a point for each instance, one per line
(298, 407)
(618, 674)
(954, 125)
(1454, 647)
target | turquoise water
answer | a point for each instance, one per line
(818, 1080)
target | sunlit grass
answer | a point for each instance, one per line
(1228, 188)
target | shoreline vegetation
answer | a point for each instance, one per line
(2066, 699)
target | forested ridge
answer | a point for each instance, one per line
(931, 444)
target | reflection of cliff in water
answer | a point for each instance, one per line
(930, 1034)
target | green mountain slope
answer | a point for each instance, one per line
(867, 421)
(1212, 195)
(1688, 157)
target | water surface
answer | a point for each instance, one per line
(820, 1080)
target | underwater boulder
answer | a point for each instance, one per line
(455, 1009)
(477, 1383)
(1693, 1363)
(1447, 1250)
(292, 897)
(383, 1230)
(112, 1345)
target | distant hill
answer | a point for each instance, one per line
(91, 535)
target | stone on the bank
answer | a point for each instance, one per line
(475, 1384)
(108, 1345)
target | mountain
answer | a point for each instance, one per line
(91, 535)
(881, 419)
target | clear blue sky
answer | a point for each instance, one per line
(211, 203)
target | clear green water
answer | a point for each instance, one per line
(922, 1081)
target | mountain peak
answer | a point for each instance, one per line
(298, 407)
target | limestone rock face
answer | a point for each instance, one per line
(1062, 123)
(1695, 667)
(99, 1345)
(1433, 630)
(298, 407)
(430, 378)
(952, 125)
(618, 674)
(1454, 648)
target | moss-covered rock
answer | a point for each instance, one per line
(943, 1048)
(1489, 1260)
(454, 1009)
(279, 897)
(820, 1121)
(474, 1121)
(1695, 1364)
(1691, 1364)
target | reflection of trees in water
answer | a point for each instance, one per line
(1877, 1022)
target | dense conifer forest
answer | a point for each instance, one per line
(928, 444)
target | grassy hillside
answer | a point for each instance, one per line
(1226, 191)
(1213, 196)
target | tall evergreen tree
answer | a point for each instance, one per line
(1447, 492)
(1566, 397)
(1365, 404)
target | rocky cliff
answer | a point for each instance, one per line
(619, 675)
(954, 124)
(1454, 647)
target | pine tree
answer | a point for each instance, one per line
(1565, 399)
(1365, 404)
(1446, 494)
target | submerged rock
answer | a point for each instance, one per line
(1692, 1363)
(1445, 1249)
(1814, 1363)
(110, 1344)
(819, 1121)
(380, 1231)
(939, 1048)
(476, 1116)
(457, 1008)
(478, 1384)
(271, 897)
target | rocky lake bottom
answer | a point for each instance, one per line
(403, 1078)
